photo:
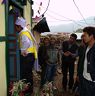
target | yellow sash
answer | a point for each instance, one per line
(32, 49)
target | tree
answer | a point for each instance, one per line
(78, 30)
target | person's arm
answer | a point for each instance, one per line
(25, 41)
(74, 55)
(64, 49)
(59, 56)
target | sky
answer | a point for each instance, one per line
(64, 11)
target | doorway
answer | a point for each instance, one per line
(13, 50)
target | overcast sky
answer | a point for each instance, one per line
(62, 11)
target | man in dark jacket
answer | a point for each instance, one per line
(69, 54)
(87, 64)
(79, 78)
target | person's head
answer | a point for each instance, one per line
(20, 24)
(72, 38)
(52, 40)
(46, 40)
(89, 34)
(82, 40)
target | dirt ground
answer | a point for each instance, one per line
(58, 83)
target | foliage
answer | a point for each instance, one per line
(78, 31)
(48, 90)
(17, 88)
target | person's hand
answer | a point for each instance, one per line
(77, 78)
(69, 53)
(24, 53)
(66, 53)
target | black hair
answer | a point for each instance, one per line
(90, 31)
(74, 35)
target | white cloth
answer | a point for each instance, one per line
(26, 42)
(21, 21)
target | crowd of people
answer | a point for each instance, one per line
(50, 54)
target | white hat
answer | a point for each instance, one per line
(21, 21)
